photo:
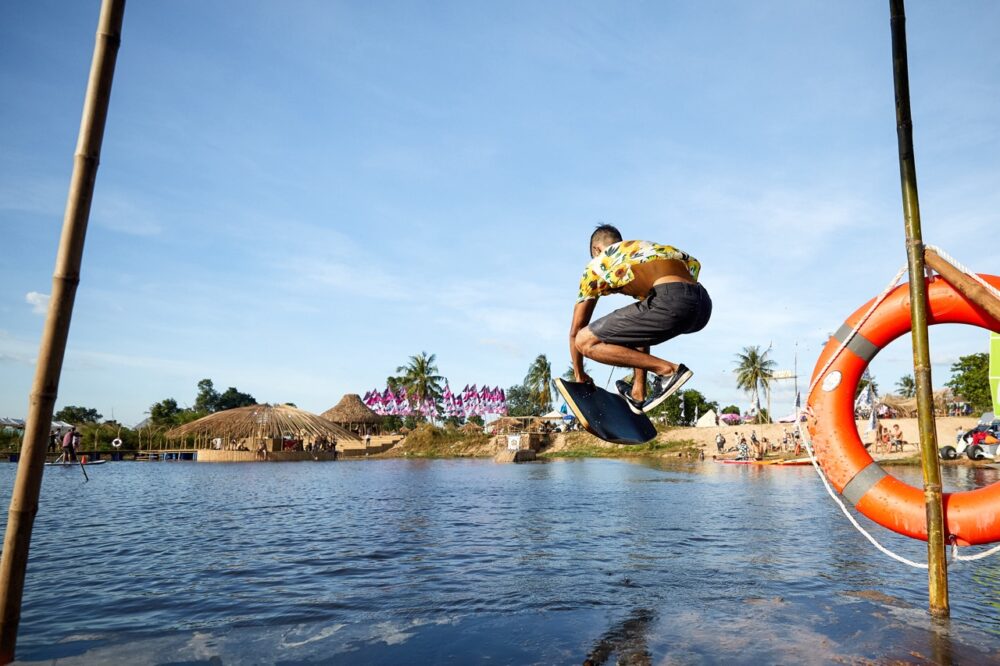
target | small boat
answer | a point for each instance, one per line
(88, 463)
(794, 461)
(783, 463)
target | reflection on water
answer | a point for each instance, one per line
(427, 561)
(626, 641)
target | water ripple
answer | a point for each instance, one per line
(396, 555)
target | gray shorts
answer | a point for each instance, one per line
(670, 309)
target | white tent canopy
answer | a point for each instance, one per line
(708, 420)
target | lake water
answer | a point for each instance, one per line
(413, 561)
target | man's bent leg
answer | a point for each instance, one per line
(639, 379)
(623, 357)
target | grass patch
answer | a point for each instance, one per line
(582, 445)
(912, 461)
(428, 441)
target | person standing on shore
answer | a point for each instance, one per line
(670, 302)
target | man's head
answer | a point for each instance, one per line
(603, 236)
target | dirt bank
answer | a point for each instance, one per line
(432, 442)
(704, 438)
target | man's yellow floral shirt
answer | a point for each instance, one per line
(612, 269)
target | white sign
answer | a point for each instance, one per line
(513, 442)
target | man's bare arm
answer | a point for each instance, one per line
(582, 313)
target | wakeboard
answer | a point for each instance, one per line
(604, 414)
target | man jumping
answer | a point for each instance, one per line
(670, 302)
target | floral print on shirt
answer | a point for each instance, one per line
(611, 270)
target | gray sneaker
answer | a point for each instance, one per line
(665, 386)
(625, 391)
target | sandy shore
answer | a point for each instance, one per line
(705, 437)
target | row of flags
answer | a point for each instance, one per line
(470, 401)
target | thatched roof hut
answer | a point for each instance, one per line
(260, 421)
(351, 411)
(355, 415)
(508, 424)
(908, 406)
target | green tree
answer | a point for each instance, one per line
(731, 409)
(231, 399)
(207, 400)
(164, 413)
(519, 401)
(453, 421)
(906, 386)
(391, 423)
(538, 381)
(419, 377)
(754, 372)
(970, 379)
(74, 414)
(570, 375)
(693, 403)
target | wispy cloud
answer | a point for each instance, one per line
(39, 302)
(116, 211)
(85, 358)
(17, 350)
(39, 196)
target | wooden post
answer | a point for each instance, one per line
(963, 284)
(24, 500)
(937, 565)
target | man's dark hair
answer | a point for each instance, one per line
(605, 232)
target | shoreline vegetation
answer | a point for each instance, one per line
(429, 441)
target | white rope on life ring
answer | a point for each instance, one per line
(116, 442)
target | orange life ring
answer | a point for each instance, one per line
(971, 517)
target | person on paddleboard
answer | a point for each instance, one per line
(669, 302)
(70, 441)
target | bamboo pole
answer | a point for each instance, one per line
(937, 568)
(963, 284)
(24, 500)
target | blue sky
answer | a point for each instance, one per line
(295, 197)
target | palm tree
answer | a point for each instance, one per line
(754, 371)
(907, 387)
(419, 377)
(539, 383)
(570, 374)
